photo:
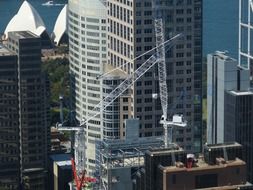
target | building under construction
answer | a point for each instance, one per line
(118, 161)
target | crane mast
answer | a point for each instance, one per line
(159, 35)
(159, 32)
(78, 163)
(162, 73)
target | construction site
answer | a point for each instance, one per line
(119, 156)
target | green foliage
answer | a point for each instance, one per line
(58, 71)
(55, 115)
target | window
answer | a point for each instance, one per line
(148, 108)
(138, 31)
(148, 21)
(179, 63)
(138, 22)
(148, 30)
(147, 4)
(147, 13)
(148, 125)
(147, 100)
(148, 134)
(138, 39)
(148, 83)
(180, 55)
(179, 71)
(148, 39)
(138, 100)
(148, 91)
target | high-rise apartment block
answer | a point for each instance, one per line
(131, 32)
(25, 113)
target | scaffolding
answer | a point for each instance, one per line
(119, 160)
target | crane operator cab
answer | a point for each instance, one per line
(177, 120)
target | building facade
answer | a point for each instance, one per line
(33, 109)
(131, 32)
(245, 26)
(238, 124)
(115, 114)
(221, 167)
(222, 75)
(9, 133)
(87, 54)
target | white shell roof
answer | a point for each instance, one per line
(60, 26)
(27, 18)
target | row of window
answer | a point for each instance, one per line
(120, 13)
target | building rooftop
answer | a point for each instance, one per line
(223, 55)
(114, 72)
(243, 93)
(24, 34)
(64, 163)
(202, 165)
(60, 157)
(223, 145)
(4, 51)
(162, 151)
(230, 187)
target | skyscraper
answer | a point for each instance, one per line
(131, 32)
(229, 105)
(32, 105)
(238, 124)
(245, 57)
(87, 54)
(9, 128)
(223, 75)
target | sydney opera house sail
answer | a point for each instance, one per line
(59, 34)
(28, 19)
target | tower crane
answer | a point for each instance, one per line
(160, 51)
(78, 162)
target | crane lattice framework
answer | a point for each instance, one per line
(162, 73)
(79, 147)
(245, 56)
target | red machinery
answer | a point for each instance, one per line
(81, 180)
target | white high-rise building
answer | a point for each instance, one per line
(87, 54)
